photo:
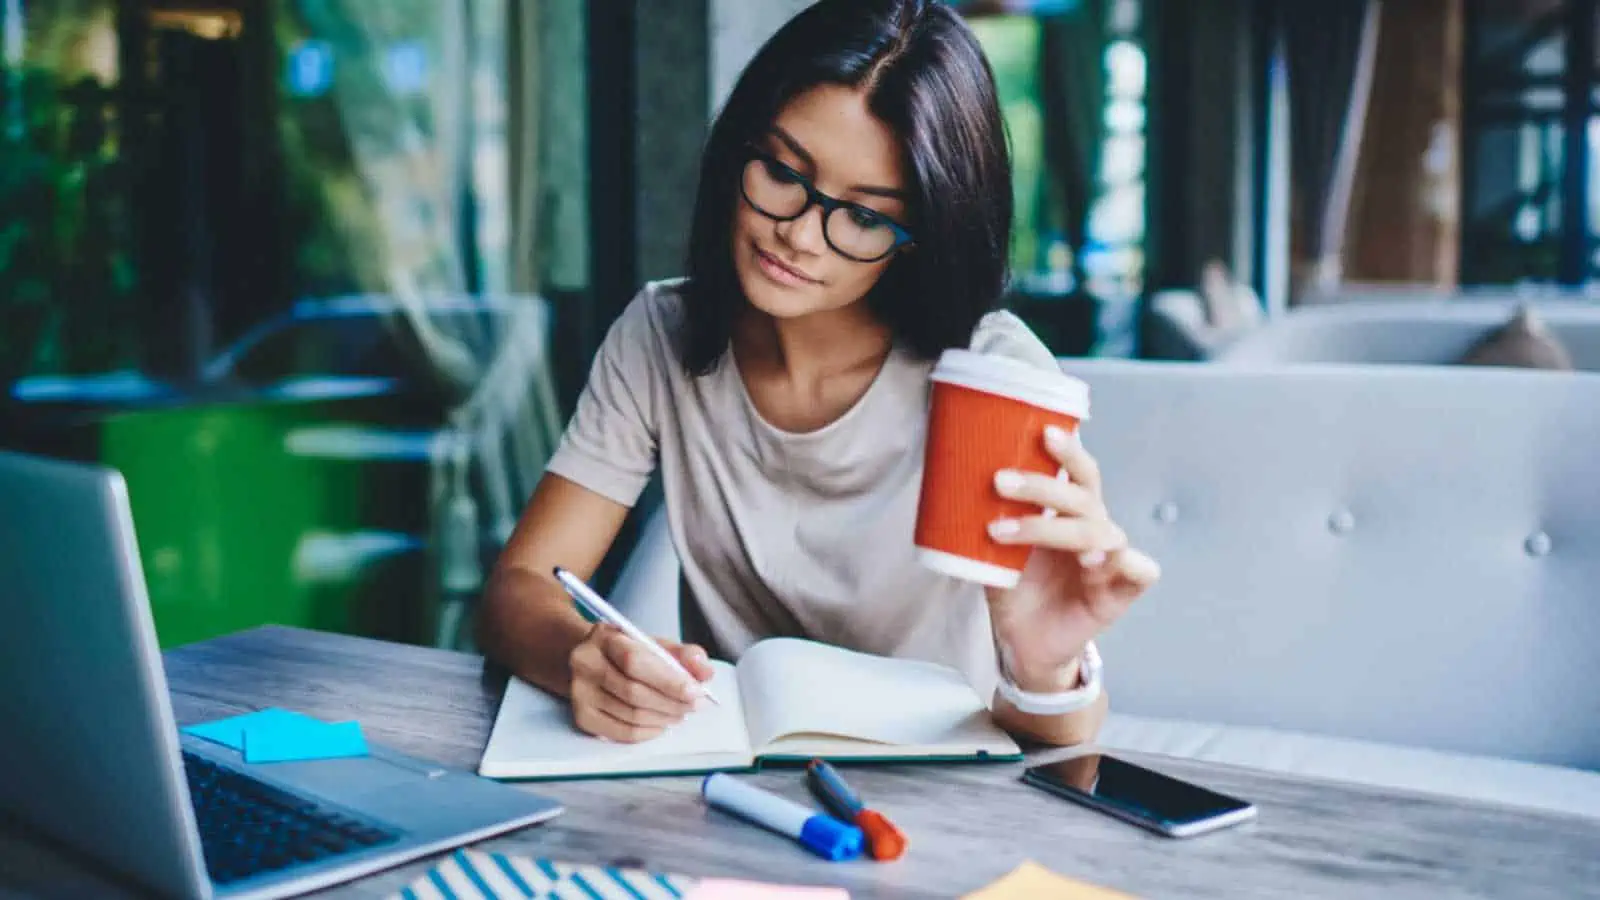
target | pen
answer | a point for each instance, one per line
(822, 834)
(884, 841)
(600, 609)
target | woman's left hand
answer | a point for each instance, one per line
(1080, 577)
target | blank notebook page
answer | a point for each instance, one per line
(535, 727)
(797, 687)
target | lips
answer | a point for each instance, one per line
(785, 271)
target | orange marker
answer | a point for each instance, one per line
(885, 842)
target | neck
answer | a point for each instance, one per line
(812, 347)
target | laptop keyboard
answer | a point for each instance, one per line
(248, 827)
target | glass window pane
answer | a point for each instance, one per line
(65, 235)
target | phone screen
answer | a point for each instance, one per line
(1135, 790)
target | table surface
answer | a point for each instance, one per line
(968, 824)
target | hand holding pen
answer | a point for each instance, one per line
(627, 686)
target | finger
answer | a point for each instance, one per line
(638, 677)
(588, 661)
(639, 664)
(1134, 568)
(1068, 450)
(1069, 534)
(692, 657)
(1049, 492)
(594, 720)
(639, 695)
(594, 694)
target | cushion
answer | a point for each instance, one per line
(1510, 782)
(1524, 342)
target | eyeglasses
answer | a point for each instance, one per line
(853, 231)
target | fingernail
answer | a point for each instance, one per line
(1004, 528)
(1007, 481)
(1057, 437)
(1092, 558)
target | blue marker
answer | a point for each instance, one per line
(822, 834)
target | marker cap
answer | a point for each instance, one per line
(884, 840)
(830, 838)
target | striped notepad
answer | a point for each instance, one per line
(470, 875)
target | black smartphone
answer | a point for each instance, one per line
(1142, 796)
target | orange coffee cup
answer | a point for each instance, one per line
(988, 413)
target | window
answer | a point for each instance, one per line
(1531, 186)
(1073, 82)
(293, 267)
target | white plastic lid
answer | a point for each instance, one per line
(1007, 377)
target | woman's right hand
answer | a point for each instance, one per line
(623, 692)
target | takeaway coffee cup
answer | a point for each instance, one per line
(988, 413)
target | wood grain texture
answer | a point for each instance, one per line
(968, 824)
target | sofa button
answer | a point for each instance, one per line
(1167, 513)
(1342, 522)
(1537, 544)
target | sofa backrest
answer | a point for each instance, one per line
(1398, 553)
(1429, 332)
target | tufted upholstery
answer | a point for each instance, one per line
(1383, 573)
(1431, 331)
(1400, 554)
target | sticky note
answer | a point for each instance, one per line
(732, 889)
(230, 732)
(290, 741)
(1033, 880)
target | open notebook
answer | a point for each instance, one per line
(787, 699)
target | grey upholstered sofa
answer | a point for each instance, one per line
(1386, 574)
(1437, 331)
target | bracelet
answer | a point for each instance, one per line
(1090, 673)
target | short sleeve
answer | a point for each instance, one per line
(1002, 333)
(610, 442)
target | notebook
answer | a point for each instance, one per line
(787, 700)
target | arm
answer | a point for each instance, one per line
(526, 621)
(1065, 730)
(1079, 580)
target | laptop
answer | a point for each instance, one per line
(91, 756)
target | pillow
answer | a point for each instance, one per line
(1524, 342)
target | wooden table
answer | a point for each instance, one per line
(968, 824)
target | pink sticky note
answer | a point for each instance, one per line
(732, 889)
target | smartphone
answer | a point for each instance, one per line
(1144, 797)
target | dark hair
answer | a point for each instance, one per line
(927, 79)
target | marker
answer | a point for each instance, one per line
(884, 840)
(600, 609)
(822, 834)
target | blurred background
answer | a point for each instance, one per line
(323, 277)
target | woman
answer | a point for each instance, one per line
(852, 222)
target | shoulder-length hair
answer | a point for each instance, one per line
(927, 79)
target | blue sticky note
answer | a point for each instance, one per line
(293, 741)
(230, 732)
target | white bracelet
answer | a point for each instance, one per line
(1090, 673)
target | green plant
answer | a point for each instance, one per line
(67, 282)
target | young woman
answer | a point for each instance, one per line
(852, 222)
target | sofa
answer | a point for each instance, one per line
(1432, 332)
(1384, 574)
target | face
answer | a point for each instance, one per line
(828, 137)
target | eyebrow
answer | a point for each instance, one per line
(795, 147)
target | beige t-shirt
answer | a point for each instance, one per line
(781, 533)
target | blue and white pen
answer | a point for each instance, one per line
(820, 833)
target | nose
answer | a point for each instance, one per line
(805, 233)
